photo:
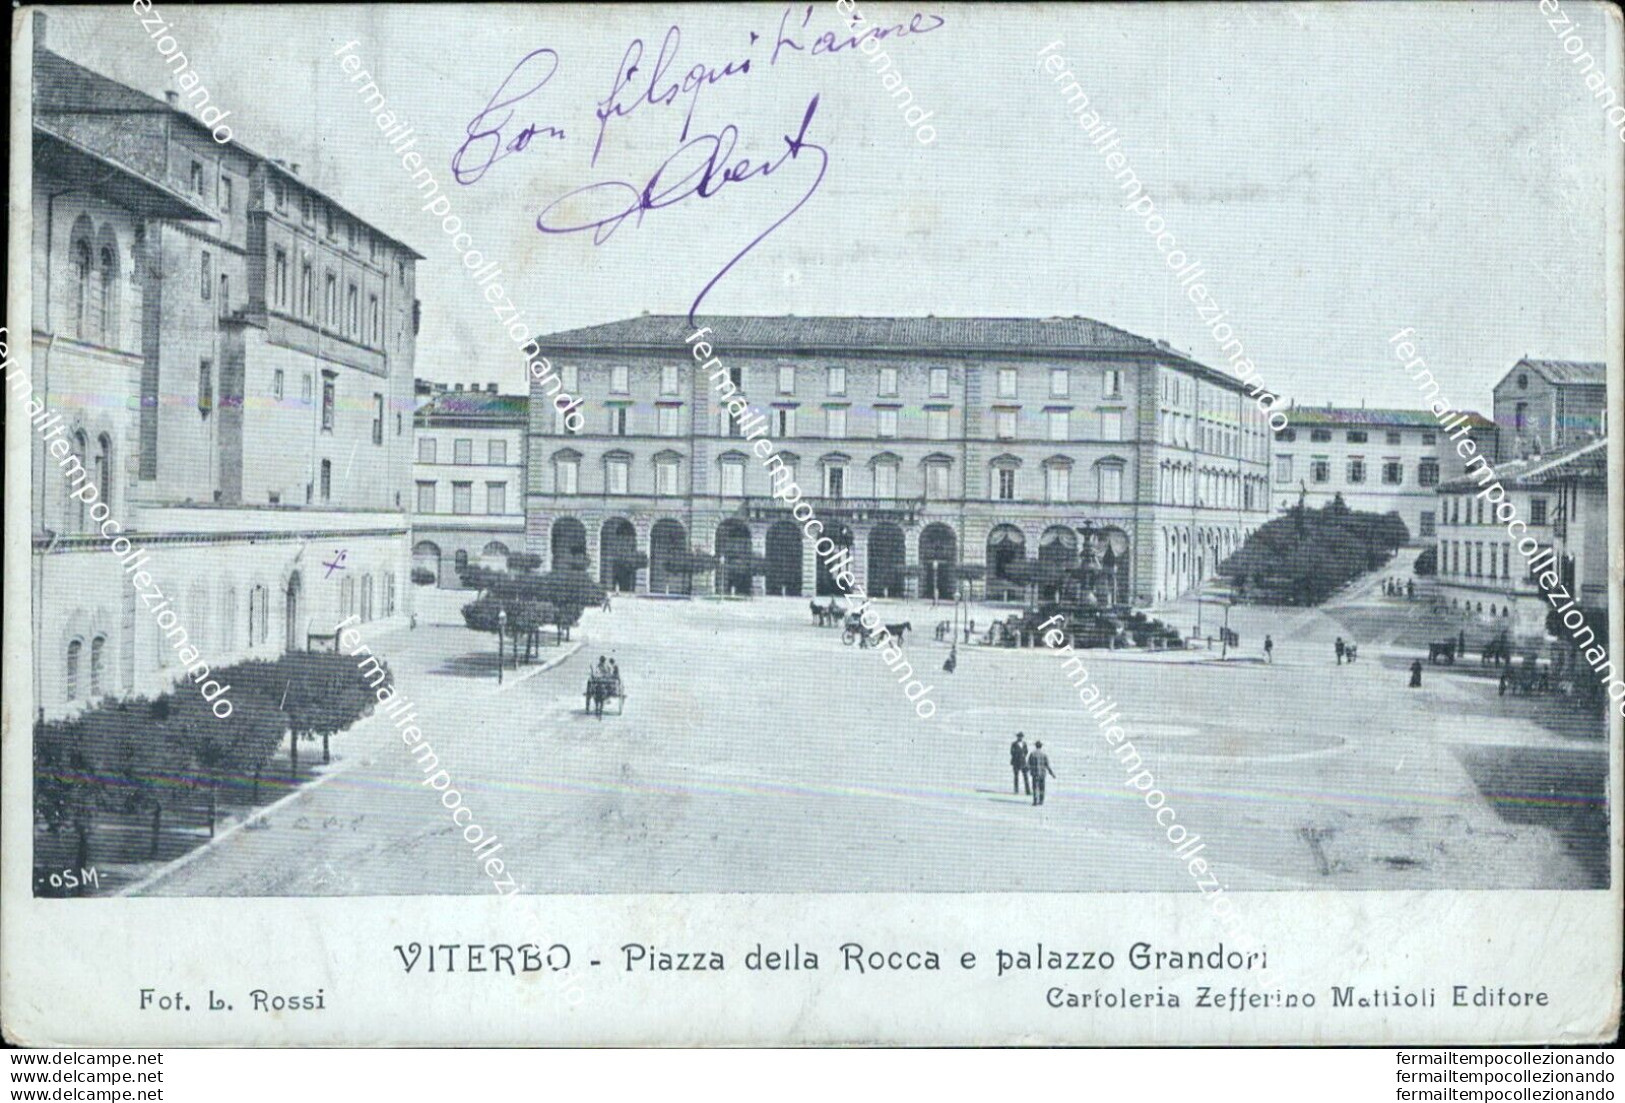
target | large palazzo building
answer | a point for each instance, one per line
(229, 351)
(469, 506)
(926, 443)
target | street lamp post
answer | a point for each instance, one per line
(502, 626)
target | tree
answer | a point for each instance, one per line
(324, 693)
(689, 563)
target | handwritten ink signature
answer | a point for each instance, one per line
(487, 142)
(704, 178)
(697, 78)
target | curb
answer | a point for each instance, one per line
(570, 649)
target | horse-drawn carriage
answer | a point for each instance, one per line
(601, 688)
(854, 630)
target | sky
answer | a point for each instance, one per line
(1343, 172)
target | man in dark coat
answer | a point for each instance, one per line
(1038, 767)
(1018, 765)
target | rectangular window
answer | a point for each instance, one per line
(276, 384)
(307, 208)
(1111, 383)
(1356, 469)
(936, 480)
(572, 378)
(888, 382)
(1007, 484)
(375, 321)
(1427, 438)
(463, 450)
(350, 233)
(462, 497)
(332, 303)
(307, 290)
(329, 399)
(205, 388)
(1356, 436)
(666, 478)
(426, 450)
(425, 497)
(835, 422)
(225, 193)
(327, 480)
(836, 378)
(733, 480)
(1111, 483)
(567, 477)
(939, 382)
(886, 481)
(207, 272)
(835, 481)
(616, 472)
(1283, 470)
(670, 421)
(1394, 438)
(1520, 416)
(1537, 511)
(1425, 525)
(617, 421)
(936, 422)
(496, 498)
(886, 422)
(1057, 483)
(279, 285)
(736, 376)
(304, 389)
(787, 379)
(332, 221)
(1427, 473)
(352, 304)
(1320, 470)
(668, 379)
(620, 379)
(196, 177)
(377, 418)
(279, 195)
(786, 422)
(1004, 422)
(1393, 473)
(1060, 382)
(1060, 427)
(1320, 436)
(1007, 383)
(496, 451)
(1111, 425)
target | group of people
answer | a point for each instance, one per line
(1346, 650)
(1030, 767)
(606, 669)
(1391, 587)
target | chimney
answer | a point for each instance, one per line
(490, 388)
(293, 167)
(173, 97)
(459, 386)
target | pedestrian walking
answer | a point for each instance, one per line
(1416, 674)
(953, 659)
(1340, 649)
(1410, 589)
(1269, 651)
(1461, 644)
(1037, 767)
(1018, 765)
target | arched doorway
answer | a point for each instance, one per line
(292, 638)
(426, 557)
(1057, 559)
(826, 585)
(887, 556)
(618, 555)
(569, 544)
(494, 556)
(1111, 558)
(734, 552)
(1005, 544)
(784, 559)
(668, 541)
(939, 556)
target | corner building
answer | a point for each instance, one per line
(921, 443)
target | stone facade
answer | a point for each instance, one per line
(1550, 406)
(926, 443)
(468, 504)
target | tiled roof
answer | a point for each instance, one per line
(1590, 458)
(1567, 371)
(475, 404)
(1412, 419)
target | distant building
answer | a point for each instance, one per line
(469, 502)
(1381, 461)
(230, 352)
(923, 444)
(1549, 405)
(1563, 500)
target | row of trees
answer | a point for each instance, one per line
(146, 755)
(519, 602)
(1306, 556)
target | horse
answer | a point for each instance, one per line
(1498, 650)
(600, 688)
(1445, 650)
(897, 630)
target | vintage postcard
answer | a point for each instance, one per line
(813, 523)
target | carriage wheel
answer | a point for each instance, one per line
(848, 636)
